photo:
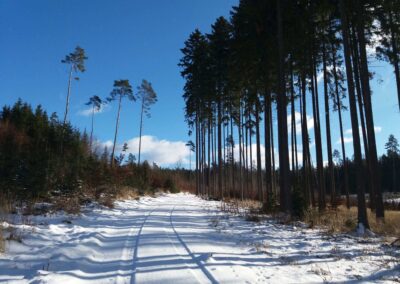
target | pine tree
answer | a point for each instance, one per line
(147, 97)
(95, 102)
(76, 62)
(122, 89)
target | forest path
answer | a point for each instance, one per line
(176, 243)
(181, 238)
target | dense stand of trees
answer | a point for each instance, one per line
(31, 165)
(267, 61)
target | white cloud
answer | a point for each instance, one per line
(297, 117)
(320, 76)
(88, 111)
(374, 42)
(162, 152)
(378, 129)
(262, 151)
(346, 140)
(107, 144)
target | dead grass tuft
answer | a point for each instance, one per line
(241, 207)
(6, 207)
(107, 200)
(127, 192)
(345, 220)
(70, 204)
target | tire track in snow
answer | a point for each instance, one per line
(179, 254)
(127, 251)
(199, 264)
(135, 255)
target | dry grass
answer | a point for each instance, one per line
(344, 220)
(71, 205)
(184, 185)
(127, 192)
(6, 206)
(110, 195)
(242, 207)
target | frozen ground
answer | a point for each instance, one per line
(183, 239)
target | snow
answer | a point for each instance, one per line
(393, 200)
(183, 239)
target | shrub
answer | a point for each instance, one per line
(299, 203)
(270, 206)
(170, 185)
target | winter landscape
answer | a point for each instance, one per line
(204, 141)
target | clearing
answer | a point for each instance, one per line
(183, 239)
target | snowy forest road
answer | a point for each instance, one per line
(176, 243)
(180, 238)
(161, 253)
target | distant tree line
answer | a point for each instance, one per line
(274, 53)
(31, 165)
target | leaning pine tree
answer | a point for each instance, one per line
(122, 89)
(76, 61)
(147, 97)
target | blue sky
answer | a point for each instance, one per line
(132, 40)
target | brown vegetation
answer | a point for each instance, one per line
(344, 220)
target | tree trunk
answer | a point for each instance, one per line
(293, 121)
(308, 192)
(273, 152)
(208, 154)
(332, 189)
(116, 131)
(318, 140)
(233, 156)
(91, 131)
(251, 152)
(339, 109)
(284, 181)
(267, 141)
(197, 156)
(259, 174)
(140, 130)
(373, 156)
(219, 149)
(68, 95)
(240, 152)
(247, 154)
(356, 69)
(395, 58)
(362, 210)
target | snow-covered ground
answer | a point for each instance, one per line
(184, 239)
